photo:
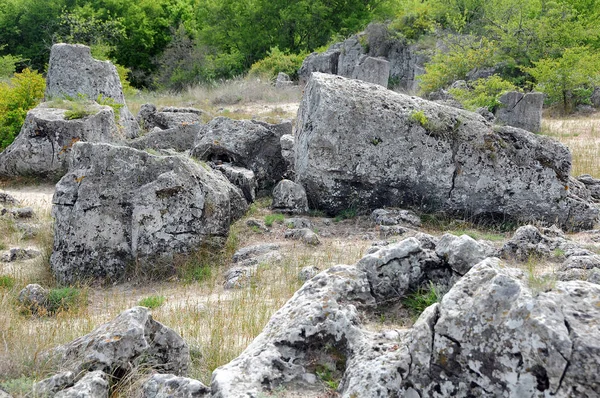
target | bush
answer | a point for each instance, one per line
(24, 91)
(64, 299)
(152, 301)
(418, 301)
(271, 218)
(447, 67)
(277, 61)
(8, 65)
(568, 80)
(416, 22)
(484, 93)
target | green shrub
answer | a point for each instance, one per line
(271, 218)
(24, 91)
(6, 282)
(448, 67)
(7, 65)
(64, 299)
(277, 61)
(416, 22)
(346, 214)
(152, 301)
(419, 117)
(485, 93)
(102, 100)
(422, 298)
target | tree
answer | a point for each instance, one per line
(569, 79)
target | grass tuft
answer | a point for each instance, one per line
(274, 218)
(152, 301)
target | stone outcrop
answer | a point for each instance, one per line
(521, 110)
(592, 184)
(44, 144)
(490, 335)
(369, 56)
(249, 144)
(289, 197)
(72, 73)
(118, 206)
(168, 117)
(180, 138)
(283, 80)
(167, 385)
(131, 340)
(287, 151)
(359, 145)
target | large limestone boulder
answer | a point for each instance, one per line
(372, 70)
(326, 62)
(167, 118)
(132, 340)
(492, 334)
(249, 144)
(180, 138)
(44, 144)
(521, 110)
(72, 72)
(118, 206)
(360, 145)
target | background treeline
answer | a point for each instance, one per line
(549, 45)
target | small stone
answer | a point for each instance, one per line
(308, 272)
(34, 297)
(306, 235)
(289, 197)
(298, 222)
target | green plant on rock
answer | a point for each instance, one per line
(107, 101)
(422, 298)
(419, 117)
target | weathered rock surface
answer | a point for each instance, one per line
(246, 261)
(92, 385)
(73, 72)
(118, 205)
(372, 70)
(19, 253)
(395, 217)
(33, 297)
(289, 197)
(6, 199)
(491, 335)
(180, 138)
(462, 252)
(283, 80)
(287, 151)
(249, 144)
(44, 144)
(530, 242)
(521, 110)
(171, 386)
(19, 212)
(359, 144)
(242, 178)
(168, 117)
(131, 340)
(347, 58)
(305, 235)
(592, 184)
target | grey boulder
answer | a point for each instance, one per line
(249, 144)
(44, 144)
(592, 184)
(171, 386)
(179, 138)
(73, 72)
(169, 117)
(360, 145)
(521, 110)
(92, 385)
(118, 206)
(289, 197)
(462, 252)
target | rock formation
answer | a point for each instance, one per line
(361, 146)
(119, 206)
(44, 144)
(169, 117)
(72, 73)
(521, 110)
(249, 144)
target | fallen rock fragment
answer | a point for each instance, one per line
(168, 385)
(289, 197)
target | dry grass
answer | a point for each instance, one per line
(241, 98)
(582, 136)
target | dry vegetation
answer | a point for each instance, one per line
(216, 323)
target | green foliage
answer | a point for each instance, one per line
(272, 218)
(6, 282)
(484, 93)
(64, 299)
(569, 79)
(8, 65)
(24, 91)
(422, 298)
(420, 117)
(107, 101)
(415, 21)
(152, 301)
(464, 54)
(277, 61)
(327, 376)
(346, 214)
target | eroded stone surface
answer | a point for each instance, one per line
(359, 144)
